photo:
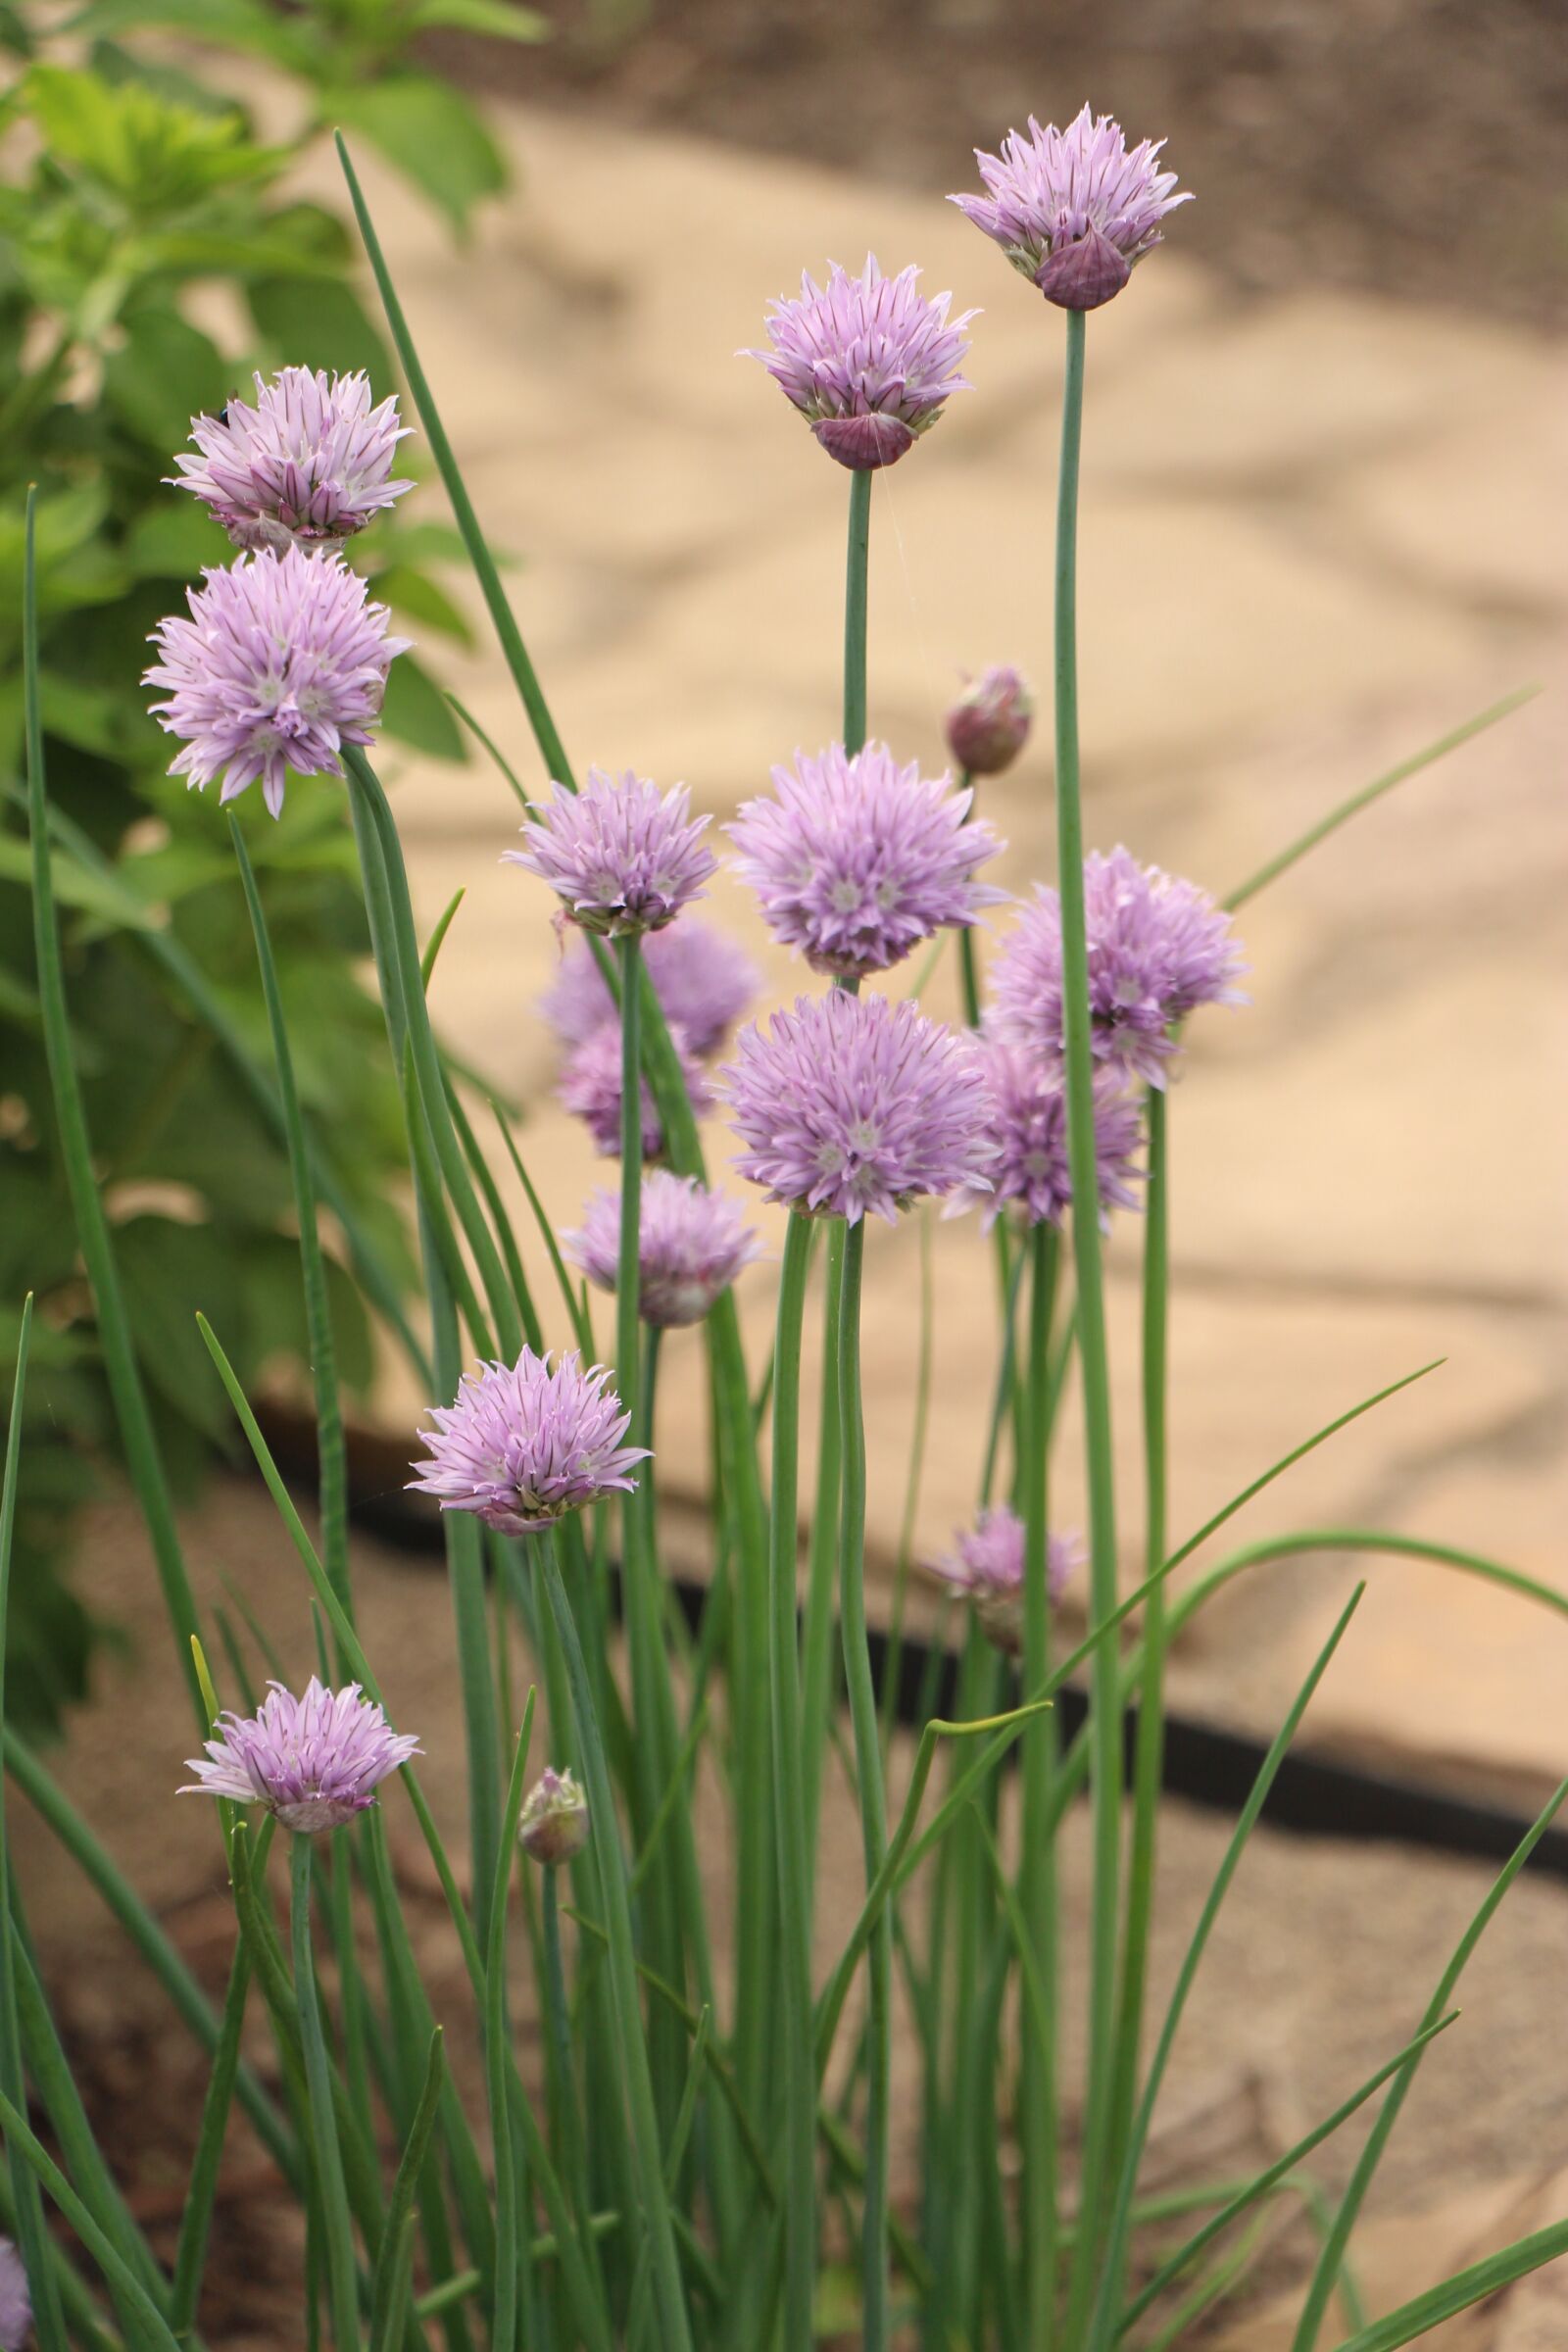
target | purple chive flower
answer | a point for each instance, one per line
(691, 1245)
(15, 2304)
(281, 663)
(306, 467)
(589, 1086)
(857, 859)
(867, 361)
(523, 1443)
(622, 856)
(1158, 947)
(553, 1826)
(1074, 208)
(852, 1105)
(987, 1569)
(314, 1761)
(988, 724)
(1027, 1122)
(703, 980)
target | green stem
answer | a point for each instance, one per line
(816, 1671)
(874, 1800)
(789, 1803)
(1038, 1873)
(968, 961)
(854, 601)
(1093, 1359)
(327, 2167)
(558, 2014)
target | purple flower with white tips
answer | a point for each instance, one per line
(521, 1445)
(703, 980)
(988, 724)
(622, 856)
(1158, 947)
(314, 1761)
(308, 467)
(589, 1087)
(16, 2303)
(857, 859)
(867, 361)
(986, 1568)
(690, 1245)
(852, 1106)
(282, 662)
(1027, 1120)
(1075, 209)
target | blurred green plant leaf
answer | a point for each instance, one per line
(417, 711)
(166, 372)
(431, 134)
(157, 155)
(417, 595)
(317, 325)
(496, 17)
(175, 540)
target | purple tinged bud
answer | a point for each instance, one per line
(988, 724)
(306, 467)
(622, 856)
(703, 980)
(867, 361)
(15, 2304)
(1075, 209)
(986, 1568)
(281, 663)
(314, 1762)
(690, 1245)
(589, 1087)
(523, 1443)
(553, 1826)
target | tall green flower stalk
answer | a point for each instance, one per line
(1038, 1871)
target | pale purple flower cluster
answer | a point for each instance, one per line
(309, 465)
(851, 1106)
(281, 663)
(690, 1245)
(867, 361)
(523, 1443)
(15, 2304)
(589, 1086)
(988, 724)
(703, 980)
(987, 1567)
(1027, 1122)
(1158, 947)
(622, 856)
(314, 1761)
(857, 859)
(1073, 209)
(553, 1826)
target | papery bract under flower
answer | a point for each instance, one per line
(988, 724)
(986, 1568)
(16, 2303)
(314, 1761)
(852, 1105)
(621, 856)
(867, 361)
(704, 981)
(1026, 1112)
(690, 1245)
(309, 465)
(1158, 947)
(282, 662)
(523, 1443)
(1074, 208)
(856, 860)
(553, 1826)
(590, 1088)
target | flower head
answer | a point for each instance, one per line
(621, 856)
(15, 2304)
(867, 361)
(553, 1826)
(857, 859)
(691, 1245)
(306, 467)
(987, 1569)
(1027, 1120)
(1074, 208)
(589, 1086)
(281, 663)
(314, 1761)
(850, 1105)
(988, 724)
(523, 1443)
(703, 980)
(1158, 947)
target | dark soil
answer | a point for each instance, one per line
(1414, 146)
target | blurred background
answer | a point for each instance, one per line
(1323, 528)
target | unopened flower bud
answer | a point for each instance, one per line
(988, 724)
(553, 1823)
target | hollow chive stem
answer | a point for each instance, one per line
(856, 570)
(1038, 1877)
(336, 2227)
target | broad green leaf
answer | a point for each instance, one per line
(176, 540)
(166, 372)
(232, 23)
(315, 326)
(416, 594)
(496, 17)
(431, 134)
(155, 155)
(417, 711)
(99, 894)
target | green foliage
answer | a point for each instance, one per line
(136, 177)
